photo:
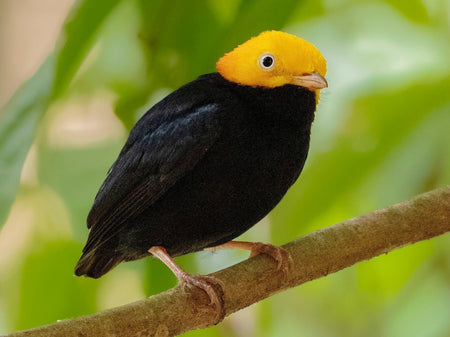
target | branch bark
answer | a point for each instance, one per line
(315, 255)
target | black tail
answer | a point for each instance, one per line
(95, 264)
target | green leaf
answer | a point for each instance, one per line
(18, 125)
(308, 9)
(253, 17)
(414, 10)
(175, 56)
(172, 55)
(21, 116)
(79, 33)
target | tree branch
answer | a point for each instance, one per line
(315, 255)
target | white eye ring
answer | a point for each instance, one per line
(266, 61)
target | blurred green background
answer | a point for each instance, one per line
(381, 135)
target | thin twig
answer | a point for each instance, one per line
(314, 255)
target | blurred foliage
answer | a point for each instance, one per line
(381, 136)
(18, 123)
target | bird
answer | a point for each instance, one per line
(209, 161)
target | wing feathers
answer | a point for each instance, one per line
(148, 166)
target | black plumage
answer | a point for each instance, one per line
(199, 168)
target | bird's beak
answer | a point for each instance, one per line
(312, 81)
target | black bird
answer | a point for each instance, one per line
(210, 160)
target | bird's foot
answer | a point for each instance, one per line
(211, 285)
(279, 254)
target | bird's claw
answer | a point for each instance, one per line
(279, 254)
(212, 286)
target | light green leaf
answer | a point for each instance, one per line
(18, 125)
(21, 116)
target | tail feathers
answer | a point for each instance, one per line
(95, 263)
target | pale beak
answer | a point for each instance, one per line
(312, 81)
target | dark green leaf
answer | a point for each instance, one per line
(180, 47)
(255, 16)
(79, 33)
(414, 10)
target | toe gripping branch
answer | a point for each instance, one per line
(211, 285)
(279, 254)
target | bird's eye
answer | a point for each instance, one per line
(266, 61)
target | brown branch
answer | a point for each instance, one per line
(315, 255)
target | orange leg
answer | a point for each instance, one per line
(279, 254)
(204, 282)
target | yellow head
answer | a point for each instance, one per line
(273, 59)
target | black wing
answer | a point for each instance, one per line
(168, 141)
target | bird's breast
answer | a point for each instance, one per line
(261, 150)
